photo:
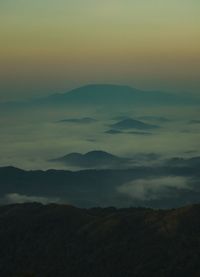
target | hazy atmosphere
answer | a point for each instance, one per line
(100, 87)
(31, 136)
(99, 138)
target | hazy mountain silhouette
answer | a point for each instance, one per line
(113, 132)
(110, 94)
(83, 120)
(130, 123)
(61, 240)
(125, 132)
(140, 133)
(104, 95)
(190, 162)
(92, 159)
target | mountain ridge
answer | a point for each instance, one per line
(108, 95)
(134, 186)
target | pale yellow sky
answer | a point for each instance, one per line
(50, 46)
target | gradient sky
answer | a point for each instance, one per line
(51, 46)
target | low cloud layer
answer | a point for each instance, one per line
(13, 198)
(152, 189)
(30, 138)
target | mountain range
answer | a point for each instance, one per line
(163, 185)
(104, 95)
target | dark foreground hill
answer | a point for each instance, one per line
(60, 240)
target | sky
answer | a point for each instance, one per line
(50, 46)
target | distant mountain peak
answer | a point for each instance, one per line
(91, 159)
(106, 96)
(130, 123)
